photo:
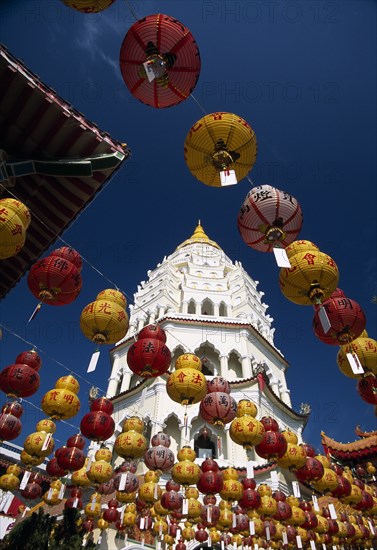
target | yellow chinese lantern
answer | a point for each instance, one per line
(51, 497)
(293, 458)
(267, 507)
(245, 429)
(30, 460)
(39, 444)
(328, 482)
(80, 478)
(232, 488)
(300, 246)
(93, 509)
(354, 497)
(323, 460)
(102, 524)
(129, 518)
(365, 349)
(14, 220)
(323, 525)
(100, 471)
(160, 527)
(126, 497)
(105, 321)
(88, 6)
(10, 481)
(187, 385)
(188, 532)
(290, 437)
(186, 472)
(264, 490)
(220, 142)
(225, 518)
(103, 454)
(298, 516)
(131, 443)
(159, 510)
(150, 491)
(62, 402)
(46, 425)
(312, 277)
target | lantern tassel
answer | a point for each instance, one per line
(185, 422)
(38, 307)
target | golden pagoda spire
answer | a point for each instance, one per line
(199, 236)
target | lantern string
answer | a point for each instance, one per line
(131, 10)
(129, 298)
(39, 409)
(49, 356)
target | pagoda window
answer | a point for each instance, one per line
(204, 446)
(191, 307)
(222, 310)
(135, 380)
(172, 428)
(234, 367)
(207, 307)
(207, 367)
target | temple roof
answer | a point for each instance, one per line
(366, 447)
(52, 159)
(198, 236)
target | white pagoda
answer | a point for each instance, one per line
(211, 307)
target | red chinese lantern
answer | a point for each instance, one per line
(69, 254)
(111, 515)
(367, 388)
(269, 217)
(346, 318)
(159, 456)
(102, 404)
(272, 446)
(76, 441)
(53, 469)
(97, 426)
(32, 491)
(251, 499)
(172, 499)
(54, 280)
(284, 510)
(106, 488)
(13, 407)
(312, 470)
(270, 424)
(19, 380)
(128, 482)
(343, 489)
(70, 458)
(159, 61)
(148, 357)
(218, 408)
(30, 358)
(211, 480)
(153, 331)
(10, 427)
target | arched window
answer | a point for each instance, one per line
(191, 307)
(234, 367)
(222, 310)
(172, 429)
(207, 307)
(177, 352)
(203, 445)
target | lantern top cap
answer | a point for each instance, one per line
(199, 236)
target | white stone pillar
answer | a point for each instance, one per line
(185, 439)
(126, 379)
(184, 307)
(152, 317)
(228, 452)
(216, 310)
(246, 367)
(224, 366)
(114, 377)
(198, 308)
(141, 322)
(161, 311)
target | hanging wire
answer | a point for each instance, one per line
(62, 421)
(198, 103)
(48, 356)
(131, 10)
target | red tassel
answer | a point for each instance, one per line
(261, 382)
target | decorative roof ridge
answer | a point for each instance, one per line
(267, 383)
(358, 445)
(360, 433)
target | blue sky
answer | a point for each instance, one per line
(303, 74)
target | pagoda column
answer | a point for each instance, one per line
(246, 367)
(115, 377)
(141, 322)
(198, 308)
(152, 317)
(223, 366)
(126, 379)
(216, 310)
(184, 306)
